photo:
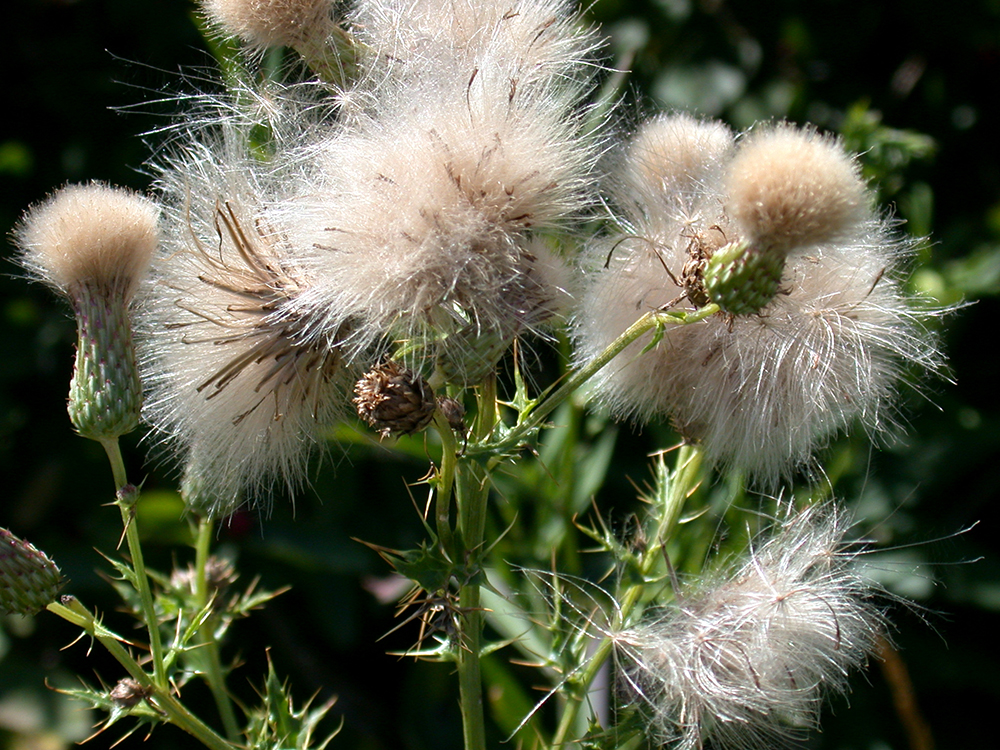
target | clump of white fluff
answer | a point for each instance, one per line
(268, 23)
(746, 655)
(93, 235)
(763, 391)
(236, 389)
(424, 208)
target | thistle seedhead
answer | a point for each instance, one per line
(29, 580)
(790, 188)
(779, 230)
(93, 243)
(239, 390)
(94, 236)
(425, 211)
(270, 23)
(745, 657)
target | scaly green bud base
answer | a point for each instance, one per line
(105, 394)
(741, 279)
(29, 580)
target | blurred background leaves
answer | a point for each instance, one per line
(909, 84)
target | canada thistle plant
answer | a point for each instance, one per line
(371, 236)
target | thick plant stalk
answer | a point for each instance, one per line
(214, 674)
(472, 489)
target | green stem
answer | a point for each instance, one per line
(176, 713)
(472, 491)
(682, 482)
(126, 499)
(534, 418)
(214, 674)
(445, 482)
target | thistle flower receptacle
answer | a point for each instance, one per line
(29, 580)
(818, 330)
(426, 209)
(746, 656)
(92, 244)
(237, 388)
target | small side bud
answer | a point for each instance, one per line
(394, 400)
(92, 244)
(741, 279)
(128, 694)
(453, 412)
(29, 580)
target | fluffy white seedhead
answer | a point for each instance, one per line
(789, 189)
(406, 40)
(762, 392)
(92, 235)
(270, 23)
(236, 389)
(424, 210)
(670, 167)
(746, 656)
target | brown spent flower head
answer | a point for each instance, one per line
(271, 23)
(29, 580)
(394, 400)
(128, 694)
(453, 412)
(93, 244)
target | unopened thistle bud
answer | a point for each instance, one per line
(394, 400)
(29, 580)
(92, 243)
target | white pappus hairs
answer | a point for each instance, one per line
(762, 391)
(237, 390)
(745, 656)
(91, 235)
(268, 23)
(426, 209)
